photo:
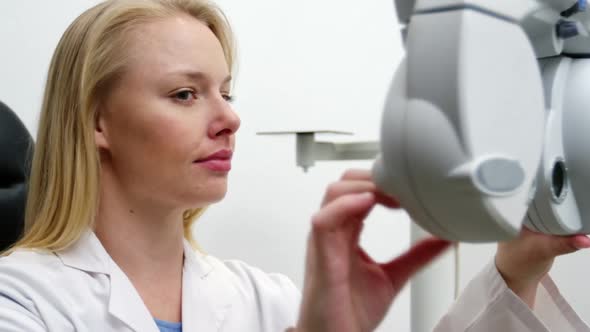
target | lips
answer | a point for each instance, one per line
(219, 161)
(219, 155)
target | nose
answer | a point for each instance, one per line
(226, 122)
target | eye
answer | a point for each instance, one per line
(184, 96)
(229, 98)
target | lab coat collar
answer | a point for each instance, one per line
(86, 254)
(206, 291)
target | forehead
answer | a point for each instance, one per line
(176, 43)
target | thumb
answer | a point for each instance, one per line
(580, 241)
(545, 246)
(568, 244)
(405, 266)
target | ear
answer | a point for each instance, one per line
(100, 132)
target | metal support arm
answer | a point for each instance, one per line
(309, 150)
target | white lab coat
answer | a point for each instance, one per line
(488, 305)
(82, 289)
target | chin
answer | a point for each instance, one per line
(217, 198)
(202, 199)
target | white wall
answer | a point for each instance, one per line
(305, 64)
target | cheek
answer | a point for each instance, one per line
(159, 137)
(172, 134)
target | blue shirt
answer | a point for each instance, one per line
(165, 326)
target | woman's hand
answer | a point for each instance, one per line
(345, 290)
(524, 261)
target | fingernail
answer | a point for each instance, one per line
(366, 196)
(581, 242)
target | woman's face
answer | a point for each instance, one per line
(167, 129)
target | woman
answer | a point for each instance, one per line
(515, 294)
(135, 139)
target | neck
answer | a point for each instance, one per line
(139, 235)
(145, 239)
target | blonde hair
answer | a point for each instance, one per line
(64, 185)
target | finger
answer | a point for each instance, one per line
(342, 210)
(568, 244)
(345, 187)
(366, 175)
(341, 188)
(405, 266)
(387, 200)
(580, 241)
(550, 246)
(357, 174)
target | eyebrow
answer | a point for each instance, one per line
(199, 76)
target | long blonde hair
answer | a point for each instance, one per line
(64, 184)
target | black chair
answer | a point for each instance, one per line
(16, 148)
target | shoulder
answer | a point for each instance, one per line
(39, 276)
(272, 282)
(26, 266)
(30, 288)
(268, 292)
(38, 271)
(247, 277)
